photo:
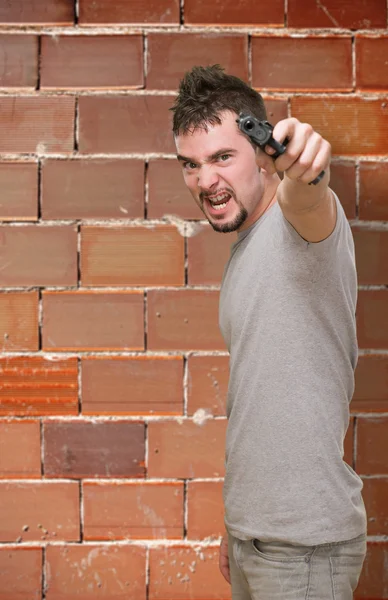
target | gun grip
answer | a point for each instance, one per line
(280, 148)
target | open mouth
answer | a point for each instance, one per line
(218, 202)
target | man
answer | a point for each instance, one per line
(294, 513)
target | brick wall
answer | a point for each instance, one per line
(113, 372)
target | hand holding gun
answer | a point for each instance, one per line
(260, 133)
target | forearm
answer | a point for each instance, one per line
(298, 197)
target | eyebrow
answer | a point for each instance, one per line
(210, 158)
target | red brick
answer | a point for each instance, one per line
(32, 124)
(184, 320)
(155, 384)
(372, 446)
(371, 256)
(229, 12)
(125, 124)
(349, 443)
(373, 583)
(19, 191)
(208, 253)
(157, 12)
(205, 509)
(343, 183)
(373, 191)
(171, 55)
(345, 122)
(371, 393)
(375, 494)
(35, 511)
(19, 55)
(92, 62)
(371, 66)
(116, 511)
(179, 573)
(359, 14)
(19, 327)
(96, 449)
(34, 255)
(285, 63)
(276, 109)
(19, 448)
(372, 323)
(93, 321)
(37, 12)
(95, 571)
(135, 256)
(167, 192)
(93, 189)
(20, 573)
(207, 386)
(36, 386)
(186, 449)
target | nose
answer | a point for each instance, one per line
(207, 178)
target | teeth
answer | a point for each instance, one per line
(216, 199)
(220, 206)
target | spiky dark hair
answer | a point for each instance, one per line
(205, 92)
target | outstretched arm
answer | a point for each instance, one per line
(310, 209)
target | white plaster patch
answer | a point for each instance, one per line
(201, 416)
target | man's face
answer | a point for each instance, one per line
(221, 171)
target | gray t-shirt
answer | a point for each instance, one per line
(287, 314)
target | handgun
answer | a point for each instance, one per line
(260, 133)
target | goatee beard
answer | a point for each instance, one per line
(237, 222)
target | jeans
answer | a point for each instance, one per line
(274, 570)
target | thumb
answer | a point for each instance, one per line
(265, 162)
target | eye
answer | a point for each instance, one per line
(188, 165)
(224, 157)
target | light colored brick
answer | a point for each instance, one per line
(114, 125)
(19, 327)
(345, 122)
(136, 256)
(183, 320)
(133, 510)
(31, 124)
(19, 191)
(229, 12)
(34, 12)
(39, 511)
(286, 63)
(155, 384)
(95, 571)
(207, 385)
(19, 448)
(186, 449)
(38, 256)
(92, 62)
(19, 55)
(93, 321)
(208, 252)
(21, 573)
(205, 514)
(171, 55)
(104, 12)
(92, 189)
